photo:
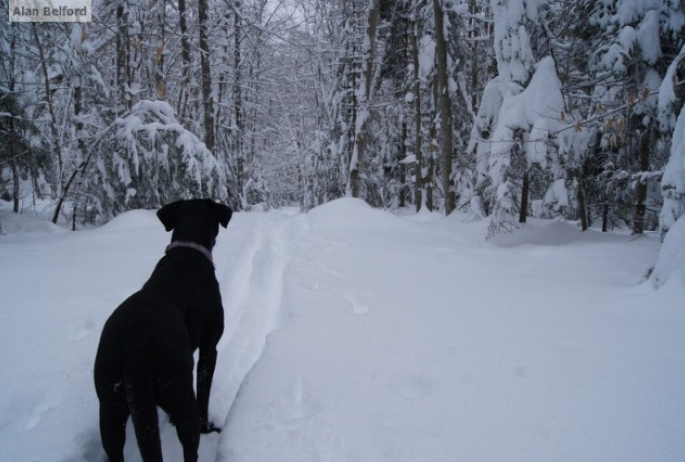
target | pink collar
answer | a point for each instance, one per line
(191, 245)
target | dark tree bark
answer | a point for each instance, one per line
(402, 199)
(16, 179)
(523, 211)
(580, 197)
(361, 140)
(160, 81)
(238, 104)
(418, 182)
(185, 60)
(205, 69)
(444, 107)
(123, 74)
(641, 193)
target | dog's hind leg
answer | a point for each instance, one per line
(140, 394)
(113, 430)
(145, 421)
(178, 400)
(187, 420)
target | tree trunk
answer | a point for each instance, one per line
(523, 211)
(402, 200)
(517, 173)
(185, 60)
(55, 146)
(81, 141)
(361, 133)
(238, 107)
(640, 207)
(123, 102)
(160, 82)
(418, 182)
(16, 178)
(205, 69)
(80, 169)
(605, 218)
(429, 183)
(11, 142)
(582, 208)
(444, 107)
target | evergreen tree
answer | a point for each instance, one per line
(633, 44)
(151, 160)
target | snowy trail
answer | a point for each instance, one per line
(250, 258)
(354, 335)
(406, 342)
(251, 277)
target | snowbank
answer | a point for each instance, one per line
(347, 215)
(671, 261)
(26, 224)
(132, 220)
(555, 233)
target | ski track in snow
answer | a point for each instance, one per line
(250, 273)
(252, 287)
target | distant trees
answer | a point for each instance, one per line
(505, 109)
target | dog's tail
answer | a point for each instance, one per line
(139, 382)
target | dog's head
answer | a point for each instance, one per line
(195, 220)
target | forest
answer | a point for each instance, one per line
(505, 109)
(473, 238)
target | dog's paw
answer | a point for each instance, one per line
(209, 427)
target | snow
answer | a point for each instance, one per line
(648, 37)
(641, 25)
(671, 259)
(673, 181)
(536, 109)
(426, 56)
(629, 11)
(353, 334)
(667, 97)
(557, 195)
(515, 60)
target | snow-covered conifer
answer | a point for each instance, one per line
(152, 160)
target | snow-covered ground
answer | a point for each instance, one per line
(353, 334)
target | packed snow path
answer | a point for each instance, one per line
(356, 335)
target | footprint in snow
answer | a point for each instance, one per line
(357, 306)
(297, 404)
(29, 407)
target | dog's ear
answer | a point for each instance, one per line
(167, 215)
(223, 213)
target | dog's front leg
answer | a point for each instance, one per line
(205, 375)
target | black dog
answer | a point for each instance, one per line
(145, 357)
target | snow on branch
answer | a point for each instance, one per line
(152, 160)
